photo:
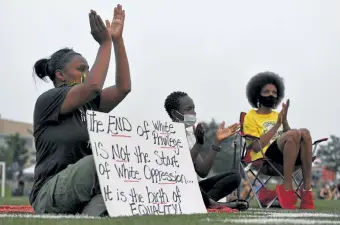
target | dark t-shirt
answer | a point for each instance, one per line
(60, 140)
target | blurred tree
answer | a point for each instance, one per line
(225, 159)
(14, 153)
(330, 154)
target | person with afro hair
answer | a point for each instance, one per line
(286, 147)
(181, 108)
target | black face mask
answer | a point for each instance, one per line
(268, 101)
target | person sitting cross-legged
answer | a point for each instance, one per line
(65, 178)
(181, 108)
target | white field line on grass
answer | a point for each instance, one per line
(33, 216)
(295, 215)
(278, 221)
(280, 218)
(258, 217)
(289, 215)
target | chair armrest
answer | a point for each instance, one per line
(249, 137)
(253, 138)
(320, 140)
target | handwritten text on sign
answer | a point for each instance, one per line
(144, 166)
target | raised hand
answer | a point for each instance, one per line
(98, 29)
(223, 133)
(199, 133)
(285, 107)
(279, 118)
(117, 23)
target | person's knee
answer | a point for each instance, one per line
(89, 166)
(85, 168)
(236, 177)
(305, 135)
(294, 136)
(85, 180)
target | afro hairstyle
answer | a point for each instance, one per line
(172, 101)
(258, 81)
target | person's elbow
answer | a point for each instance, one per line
(255, 147)
(125, 90)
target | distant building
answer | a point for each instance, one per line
(317, 169)
(321, 172)
(9, 127)
(328, 175)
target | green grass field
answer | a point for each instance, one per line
(327, 213)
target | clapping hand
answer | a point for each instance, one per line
(223, 133)
(199, 133)
(117, 24)
(283, 114)
(285, 107)
(99, 31)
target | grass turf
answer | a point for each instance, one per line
(326, 213)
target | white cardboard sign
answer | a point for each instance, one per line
(144, 166)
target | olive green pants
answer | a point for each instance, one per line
(74, 190)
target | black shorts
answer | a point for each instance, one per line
(273, 152)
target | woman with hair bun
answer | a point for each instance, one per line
(65, 179)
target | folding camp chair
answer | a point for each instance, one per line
(263, 166)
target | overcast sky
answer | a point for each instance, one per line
(209, 49)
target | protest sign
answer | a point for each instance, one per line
(144, 166)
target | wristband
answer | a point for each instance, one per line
(216, 148)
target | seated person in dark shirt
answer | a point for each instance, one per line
(65, 176)
(19, 191)
(181, 108)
